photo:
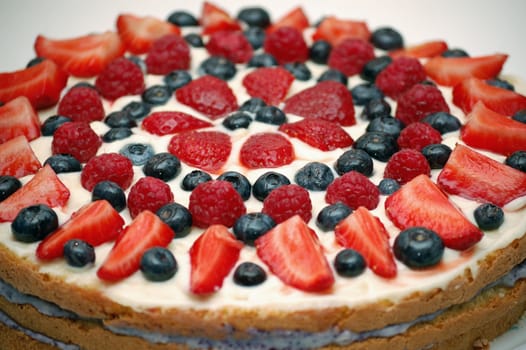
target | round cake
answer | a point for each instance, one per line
(231, 180)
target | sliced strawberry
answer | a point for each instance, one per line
(421, 203)
(328, 100)
(138, 33)
(215, 19)
(146, 231)
(450, 71)
(294, 254)
(367, 235)
(489, 130)
(295, 18)
(266, 150)
(41, 84)
(84, 56)
(165, 123)
(335, 30)
(212, 257)
(426, 49)
(475, 176)
(17, 158)
(318, 133)
(44, 188)
(95, 223)
(271, 84)
(503, 101)
(17, 117)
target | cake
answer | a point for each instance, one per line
(211, 191)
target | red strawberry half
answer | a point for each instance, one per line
(295, 18)
(421, 203)
(164, 123)
(18, 118)
(424, 50)
(293, 252)
(215, 19)
(318, 133)
(366, 234)
(17, 158)
(95, 223)
(271, 84)
(266, 150)
(472, 175)
(335, 30)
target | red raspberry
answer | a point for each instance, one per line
(266, 150)
(215, 202)
(419, 101)
(271, 84)
(172, 122)
(286, 201)
(399, 76)
(418, 135)
(350, 56)
(149, 193)
(81, 104)
(405, 165)
(77, 139)
(353, 189)
(287, 45)
(107, 167)
(319, 133)
(120, 78)
(232, 45)
(171, 52)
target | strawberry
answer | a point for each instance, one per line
(138, 33)
(164, 123)
(17, 117)
(503, 101)
(335, 30)
(294, 254)
(492, 131)
(215, 19)
(233, 45)
(367, 235)
(295, 18)
(421, 203)
(328, 100)
(266, 150)
(17, 158)
(212, 257)
(84, 56)
(475, 176)
(450, 71)
(44, 188)
(271, 84)
(206, 150)
(95, 223)
(146, 231)
(426, 49)
(318, 133)
(41, 84)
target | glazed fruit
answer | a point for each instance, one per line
(266, 150)
(335, 30)
(318, 133)
(18, 118)
(426, 49)
(271, 84)
(17, 158)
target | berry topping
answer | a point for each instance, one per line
(262, 60)
(158, 264)
(399, 76)
(219, 67)
(377, 144)
(334, 75)
(417, 135)
(248, 274)
(115, 134)
(318, 133)
(149, 193)
(177, 217)
(137, 110)
(349, 263)
(372, 68)
(314, 176)
(182, 18)
(418, 247)
(335, 30)
(442, 121)
(331, 215)
(388, 186)
(387, 38)
(194, 178)
(138, 153)
(168, 53)
(425, 49)
(120, 119)
(8, 185)
(164, 166)
(419, 101)
(81, 104)
(363, 93)
(119, 78)
(299, 70)
(63, 163)
(406, 164)
(252, 105)
(52, 123)
(287, 45)
(107, 167)
(376, 108)
(517, 160)
(76, 139)
(239, 181)
(319, 51)
(79, 253)
(254, 17)
(232, 45)
(268, 182)
(17, 158)
(17, 117)
(489, 216)
(271, 84)
(350, 56)
(354, 159)
(271, 115)
(111, 192)
(295, 18)
(387, 125)
(237, 120)
(251, 226)
(215, 19)
(436, 155)
(176, 79)
(156, 95)
(354, 190)
(286, 201)
(34, 223)
(266, 150)
(168, 122)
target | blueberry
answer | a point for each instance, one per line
(137, 110)
(372, 68)
(376, 108)
(120, 119)
(443, 122)
(63, 163)
(194, 178)
(387, 125)
(52, 123)
(219, 67)
(349, 263)
(237, 120)
(79, 253)
(517, 160)
(239, 181)
(139, 62)
(363, 93)
(194, 40)
(252, 105)
(8, 185)
(177, 79)
(177, 217)
(354, 159)
(299, 70)
(111, 192)
(488, 216)
(254, 17)
(262, 60)
(268, 182)
(520, 116)
(331, 215)
(436, 155)
(115, 134)
(334, 75)
(503, 84)
(319, 51)
(84, 84)
(251, 226)
(418, 247)
(138, 153)
(182, 19)
(387, 38)
(379, 145)
(249, 274)
(255, 36)
(314, 176)
(454, 53)
(388, 186)
(156, 95)
(158, 264)
(34, 223)
(164, 166)
(34, 61)
(271, 115)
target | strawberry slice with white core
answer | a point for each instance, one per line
(367, 235)
(294, 254)
(475, 176)
(421, 203)
(17, 117)
(17, 158)
(212, 257)
(424, 50)
(146, 231)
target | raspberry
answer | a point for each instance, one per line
(350, 56)
(76, 139)
(215, 202)
(266, 150)
(286, 201)
(81, 104)
(418, 135)
(120, 78)
(354, 190)
(172, 122)
(271, 84)
(232, 45)
(405, 165)
(419, 101)
(319, 133)
(399, 76)
(167, 54)
(287, 45)
(149, 193)
(107, 167)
